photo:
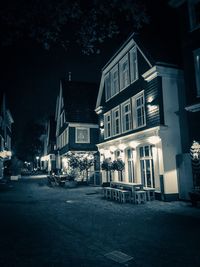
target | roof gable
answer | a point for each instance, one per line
(79, 101)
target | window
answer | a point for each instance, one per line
(82, 135)
(197, 69)
(133, 64)
(130, 165)
(116, 121)
(124, 72)
(107, 123)
(139, 118)
(108, 87)
(194, 13)
(114, 81)
(146, 166)
(126, 116)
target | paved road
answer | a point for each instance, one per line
(57, 227)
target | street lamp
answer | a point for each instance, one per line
(37, 161)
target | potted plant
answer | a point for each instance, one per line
(118, 165)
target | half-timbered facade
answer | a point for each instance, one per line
(137, 105)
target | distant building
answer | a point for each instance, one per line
(138, 105)
(189, 20)
(48, 160)
(6, 121)
(76, 121)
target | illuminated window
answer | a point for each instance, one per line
(130, 165)
(124, 72)
(126, 116)
(146, 166)
(194, 13)
(133, 64)
(82, 135)
(116, 121)
(108, 87)
(197, 69)
(107, 123)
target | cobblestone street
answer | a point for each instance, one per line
(45, 226)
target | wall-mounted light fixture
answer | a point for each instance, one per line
(152, 103)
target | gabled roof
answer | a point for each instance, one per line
(154, 49)
(79, 101)
(52, 129)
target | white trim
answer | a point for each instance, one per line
(193, 108)
(106, 125)
(162, 71)
(117, 108)
(128, 101)
(118, 56)
(99, 110)
(122, 73)
(133, 136)
(88, 135)
(89, 125)
(134, 110)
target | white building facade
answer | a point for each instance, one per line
(138, 109)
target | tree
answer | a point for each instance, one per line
(30, 144)
(80, 162)
(67, 22)
(118, 165)
(107, 166)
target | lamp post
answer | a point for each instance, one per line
(37, 162)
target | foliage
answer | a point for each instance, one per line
(80, 162)
(30, 144)
(118, 165)
(67, 22)
(106, 165)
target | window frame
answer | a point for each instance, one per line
(123, 113)
(114, 119)
(81, 141)
(121, 72)
(133, 64)
(135, 108)
(107, 78)
(106, 115)
(114, 70)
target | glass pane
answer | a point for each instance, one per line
(141, 152)
(146, 148)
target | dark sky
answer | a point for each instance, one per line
(30, 75)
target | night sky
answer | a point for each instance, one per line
(30, 75)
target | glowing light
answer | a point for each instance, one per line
(133, 144)
(122, 147)
(154, 139)
(101, 151)
(112, 148)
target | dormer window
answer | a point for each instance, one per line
(124, 72)
(194, 14)
(108, 86)
(114, 81)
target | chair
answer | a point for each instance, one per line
(150, 193)
(140, 197)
